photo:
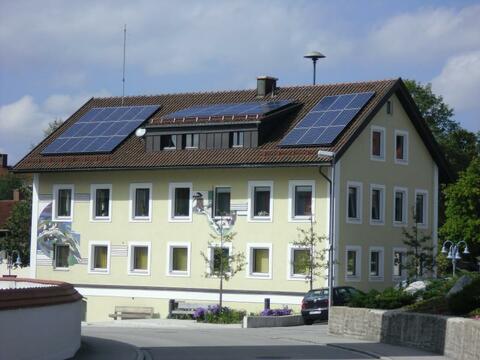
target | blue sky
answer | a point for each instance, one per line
(54, 55)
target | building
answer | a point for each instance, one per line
(126, 197)
(6, 205)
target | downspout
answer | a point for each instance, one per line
(331, 183)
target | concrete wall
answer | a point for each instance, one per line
(40, 333)
(272, 321)
(457, 338)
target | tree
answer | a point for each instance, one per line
(18, 226)
(460, 146)
(8, 183)
(462, 209)
(223, 262)
(419, 252)
(52, 126)
(315, 258)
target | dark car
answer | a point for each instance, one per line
(315, 302)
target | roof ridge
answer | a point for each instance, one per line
(246, 90)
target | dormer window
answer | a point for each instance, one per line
(236, 139)
(191, 141)
(168, 142)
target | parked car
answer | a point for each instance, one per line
(315, 302)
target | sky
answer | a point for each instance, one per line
(55, 55)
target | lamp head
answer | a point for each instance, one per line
(450, 255)
(457, 256)
(465, 251)
(18, 262)
(444, 250)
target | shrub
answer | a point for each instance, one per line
(215, 314)
(438, 287)
(388, 299)
(433, 305)
(465, 300)
(276, 312)
(475, 314)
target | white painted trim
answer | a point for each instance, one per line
(435, 214)
(170, 247)
(171, 202)
(403, 133)
(359, 186)
(423, 225)
(403, 250)
(190, 295)
(382, 204)
(251, 188)
(131, 202)
(381, 265)
(404, 221)
(211, 247)
(291, 201)
(250, 248)
(34, 226)
(91, 270)
(93, 202)
(358, 263)
(290, 275)
(383, 143)
(130, 270)
(335, 172)
(56, 188)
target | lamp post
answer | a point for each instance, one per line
(9, 258)
(454, 251)
(314, 55)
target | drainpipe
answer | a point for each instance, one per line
(331, 182)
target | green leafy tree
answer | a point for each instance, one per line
(462, 209)
(18, 226)
(460, 146)
(224, 261)
(314, 260)
(419, 251)
(8, 183)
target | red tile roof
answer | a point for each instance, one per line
(131, 154)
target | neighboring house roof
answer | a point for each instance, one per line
(6, 207)
(131, 154)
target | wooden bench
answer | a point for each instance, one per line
(182, 308)
(132, 312)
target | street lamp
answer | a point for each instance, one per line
(314, 55)
(454, 251)
(9, 258)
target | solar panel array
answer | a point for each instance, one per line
(326, 120)
(100, 130)
(234, 109)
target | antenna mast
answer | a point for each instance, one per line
(124, 47)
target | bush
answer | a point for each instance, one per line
(276, 312)
(388, 299)
(466, 300)
(215, 314)
(438, 287)
(433, 305)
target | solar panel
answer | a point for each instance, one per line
(327, 119)
(233, 109)
(100, 130)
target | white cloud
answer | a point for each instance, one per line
(459, 81)
(426, 35)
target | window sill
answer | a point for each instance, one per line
(63, 219)
(353, 278)
(377, 158)
(260, 276)
(101, 219)
(297, 277)
(401, 162)
(399, 224)
(178, 274)
(377, 222)
(139, 272)
(61, 269)
(303, 219)
(99, 271)
(140, 220)
(355, 221)
(375, 278)
(180, 219)
(260, 219)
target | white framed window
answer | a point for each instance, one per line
(259, 261)
(353, 263)
(354, 202)
(400, 206)
(168, 142)
(400, 150)
(399, 258)
(377, 204)
(191, 141)
(375, 263)
(377, 143)
(221, 205)
(298, 260)
(139, 256)
(260, 200)
(61, 253)
(389, 107)
(180, 202)
(421, 208)
(178, 262)
(99, 257)
(141, 202)
(62, 205)
(215, 255)
(101, 202)
(236, 138)
(301, 200)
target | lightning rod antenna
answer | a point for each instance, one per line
(124, 47)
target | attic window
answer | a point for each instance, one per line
(236, 139)
(191, 141)
(168, 142)
(389, 107)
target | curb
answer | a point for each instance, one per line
(364, 352)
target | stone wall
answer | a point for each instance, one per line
(457, 338)
(272, 321)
